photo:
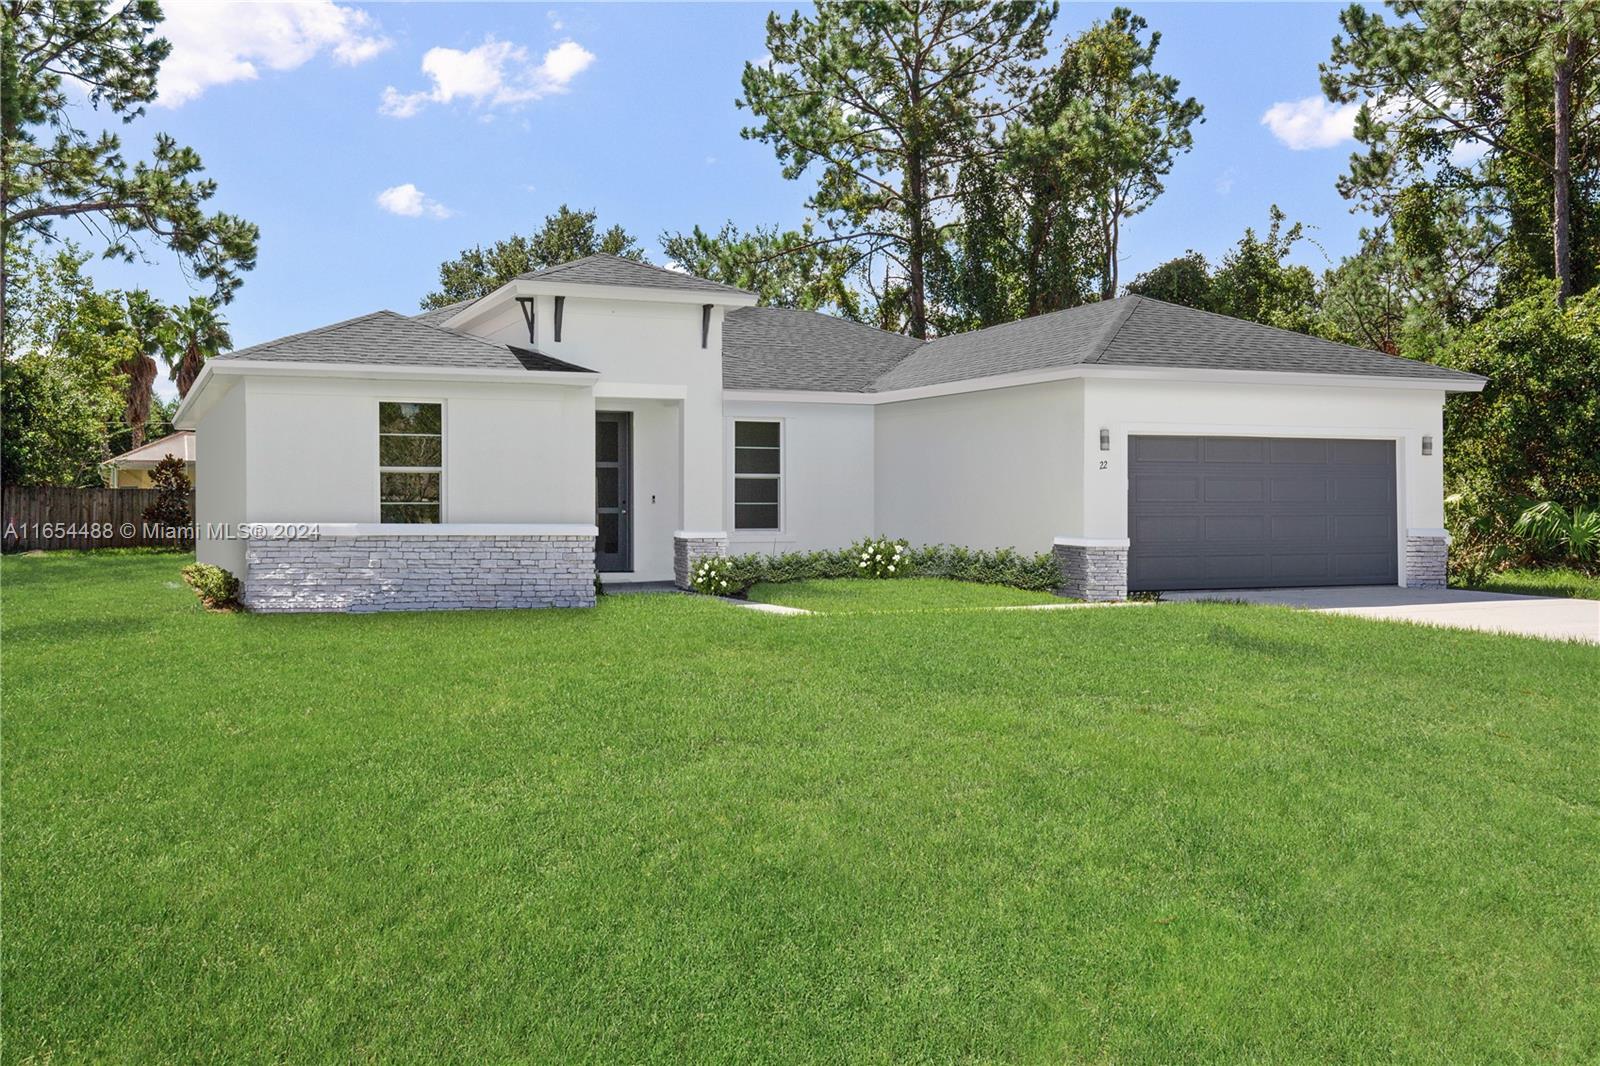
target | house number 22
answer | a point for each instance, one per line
(1104, 463)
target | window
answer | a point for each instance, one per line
(757, 475)
(410, 461)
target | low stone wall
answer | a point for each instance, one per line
(1427, 561)
(1093, 572)
(689, 548)
(382, 572)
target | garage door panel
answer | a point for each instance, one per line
(1247, 567)
(1300, 528)
(1165, 449)
(1235, 527)
(1361, 452)
(1234, 489)
(1300, 568)
(1369, 490)
(1233, 450)
(1230, 512)
(1167, 529)
(1291, 450)
(1363, 527)
(1299, 488)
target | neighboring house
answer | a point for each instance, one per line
(131, 469)
(605, 414)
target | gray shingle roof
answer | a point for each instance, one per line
(765, 349)
(385, 338)
(601, 269)
(439, 315)
(780, 348)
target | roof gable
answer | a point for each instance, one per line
(602, 269)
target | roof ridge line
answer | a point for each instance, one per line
(310, 332)
(1109, 332)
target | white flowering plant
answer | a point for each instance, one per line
(882, 557)
(714, 576)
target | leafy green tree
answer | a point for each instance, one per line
(791, 268)
(50, 169)
(886, 99)
(1107, 128)
(60, 387)
(1256, 281)
(564, 236)
(1533, 433)
(195, 333)
(1514, 85)
(1185, 280)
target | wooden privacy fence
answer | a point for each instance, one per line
(50, 518)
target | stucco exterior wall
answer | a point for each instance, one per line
(993, 469)
(220, 481)
(512, 453)
(640, 346)
(827, 497)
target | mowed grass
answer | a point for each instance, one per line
(1553, 581)
(862, 596)
(669, 829)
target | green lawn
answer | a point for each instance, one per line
(671, 830)
(854, 596)
(1553, 581)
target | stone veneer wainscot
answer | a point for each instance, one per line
(1094, 570)
(689, 548)
(421, 568)
(1427, 558)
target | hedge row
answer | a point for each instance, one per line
(1006, 566)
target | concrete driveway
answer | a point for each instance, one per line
(1531, 616)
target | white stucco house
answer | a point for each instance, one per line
(608, 415)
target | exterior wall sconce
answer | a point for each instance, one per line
(1427, 445)
(1105, 439)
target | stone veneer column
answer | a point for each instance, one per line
(384, 571)
(1427, 559)
(1093, 570)
(689, 548)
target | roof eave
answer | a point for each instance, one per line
(1198, 375)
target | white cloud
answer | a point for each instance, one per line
(1225, 180)
(218, 43)
(496, 73)
(1311, 123)
(411, 202)
(555, 21)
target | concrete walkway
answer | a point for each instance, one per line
(1533, 616)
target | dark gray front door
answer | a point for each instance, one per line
(613, 491)
(1260, 512)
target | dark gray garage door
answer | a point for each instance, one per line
(1260, 512)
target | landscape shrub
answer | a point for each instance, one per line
(171, 483)
(1005, 566)
(880, 557)
(215, 586)
(1570, 536)
(713, 576)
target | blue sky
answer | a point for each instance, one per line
(479, 119)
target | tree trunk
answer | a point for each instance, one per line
(916, 241)
(1565, 63)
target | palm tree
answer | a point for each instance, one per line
(147, 323)
(197, 333)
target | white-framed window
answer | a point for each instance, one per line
(410, 462)
(757, 475)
